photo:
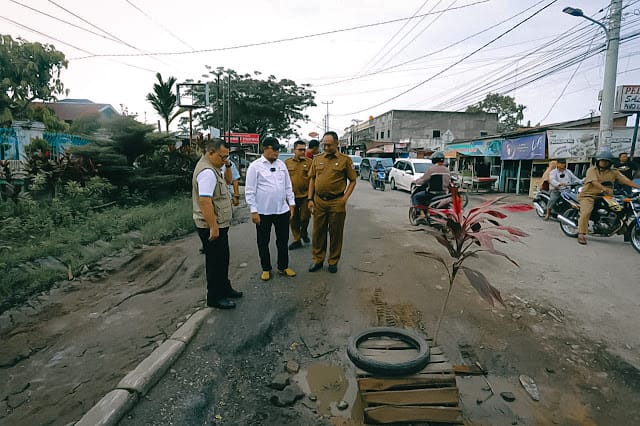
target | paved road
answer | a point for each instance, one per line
(222, 378)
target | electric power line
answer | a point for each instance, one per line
(158, 24)
(459, 61)
(263, 43)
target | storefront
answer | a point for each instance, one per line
(517, 156)
(477, 161)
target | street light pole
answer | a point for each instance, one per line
(610, 69)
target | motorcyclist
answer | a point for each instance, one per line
(377, 169)
(598, 182)
(559, 179)
(426, 192)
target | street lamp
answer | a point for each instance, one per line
(610, 67)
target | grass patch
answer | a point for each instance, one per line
(25, 264)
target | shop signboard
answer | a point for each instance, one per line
(481, 148)
(627, 99)
(582, 143)
(530, 147)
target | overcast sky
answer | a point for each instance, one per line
(359, 70)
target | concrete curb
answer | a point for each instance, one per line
(114, 405)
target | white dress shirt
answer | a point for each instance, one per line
(557, 177)
(268, 187)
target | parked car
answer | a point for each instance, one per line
(356, 159)
(368, 163)
(406, 171)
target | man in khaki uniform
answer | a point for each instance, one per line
(328, 195)
(298, 167)
(212, 216)
(598, 181)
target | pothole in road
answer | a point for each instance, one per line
(330, 384)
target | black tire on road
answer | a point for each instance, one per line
(542, 204)
(413, 216)
(387, 368)
(635, 237)
(574, 215)
(393, 184)
(465, 198)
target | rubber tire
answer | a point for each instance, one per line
(634, 237)
(393, 184)
(574, 215)
(543, 204)
(413, 218)
(465, 198)
(386, 368)
(412, 188)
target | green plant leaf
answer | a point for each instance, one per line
(482, 286)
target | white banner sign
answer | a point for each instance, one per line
(627, 99)
(581, 143)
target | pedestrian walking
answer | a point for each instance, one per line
(332, 180)
(270, 198)
(212, 217)
(298, 167)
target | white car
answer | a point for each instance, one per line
(406, 171)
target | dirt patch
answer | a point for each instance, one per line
(66, 348)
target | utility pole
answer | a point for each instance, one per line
(326, 122)
(610, 68)
(229, 106)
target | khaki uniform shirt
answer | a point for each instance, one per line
(596, 175)
(299, 174)
(331, 173)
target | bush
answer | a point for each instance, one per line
(73, 232)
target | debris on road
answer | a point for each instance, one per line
(279, 381)
(508, 396)
(530, 386)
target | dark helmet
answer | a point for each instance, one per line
(437, 157)
(604, 154)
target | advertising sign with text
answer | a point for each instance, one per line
(581, 143)
(627, 99)
(531, 147)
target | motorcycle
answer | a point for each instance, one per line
(542, 198)
(611, 215)
(437, 201)
(377, 179)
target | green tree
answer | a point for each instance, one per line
(86, 125)
(163, 100)
(509, 113)
(28, 71)
(47, 116)
(263, 106)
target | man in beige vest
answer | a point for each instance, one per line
(212, 216)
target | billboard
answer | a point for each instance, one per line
(243, 138)
(531, 147)
(627, 99)
(582, 143)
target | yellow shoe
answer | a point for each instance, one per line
(287, 272)
(266, 275)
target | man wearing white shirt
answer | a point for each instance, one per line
(269, 195)
(559, 179)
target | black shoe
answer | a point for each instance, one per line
(223, 303)
(306, 239)
(333, 268)
(233, 294)
(315, 267)
(295, 245)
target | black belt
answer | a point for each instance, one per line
(329, 197)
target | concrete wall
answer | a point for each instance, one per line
(419, 126)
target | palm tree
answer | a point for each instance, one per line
(163, 100)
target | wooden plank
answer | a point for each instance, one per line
(394, 345)
(438, 367)
(425, 381)
(399, 355)
(386, 414)
(438, 396)
(468, 370)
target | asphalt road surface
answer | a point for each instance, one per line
(570, 323)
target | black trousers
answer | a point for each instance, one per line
(216, 253)
(281, 223)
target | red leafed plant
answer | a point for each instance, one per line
(465, 235)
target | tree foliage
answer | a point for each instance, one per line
(163, 100)
(47, 116)
(264, 106)
(509, 113)
(28, 71)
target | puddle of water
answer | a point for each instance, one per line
(331, 385)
